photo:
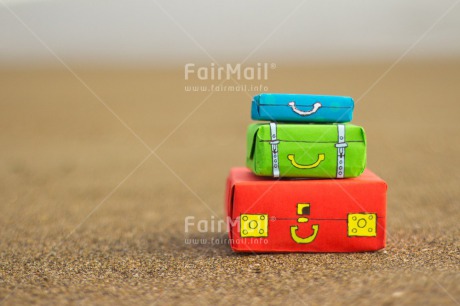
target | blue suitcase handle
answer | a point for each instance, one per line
(316, 107)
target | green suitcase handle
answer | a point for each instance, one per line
(291, 157)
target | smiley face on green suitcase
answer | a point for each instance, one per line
(306, 150)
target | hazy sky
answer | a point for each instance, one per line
(177, 32)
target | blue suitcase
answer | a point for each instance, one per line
(302, 108)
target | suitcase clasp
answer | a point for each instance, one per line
(303, 209)
(316, 107)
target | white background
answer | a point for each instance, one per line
(159, 33)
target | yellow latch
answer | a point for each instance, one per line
(254, 225)
(362, 225)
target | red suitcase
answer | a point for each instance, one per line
(314, 215)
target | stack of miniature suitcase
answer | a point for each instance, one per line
(306, 188)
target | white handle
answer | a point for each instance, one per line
(316, 106)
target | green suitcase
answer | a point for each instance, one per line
(306, 150)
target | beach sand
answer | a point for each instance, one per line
(99, 171)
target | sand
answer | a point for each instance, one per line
(90, 215)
